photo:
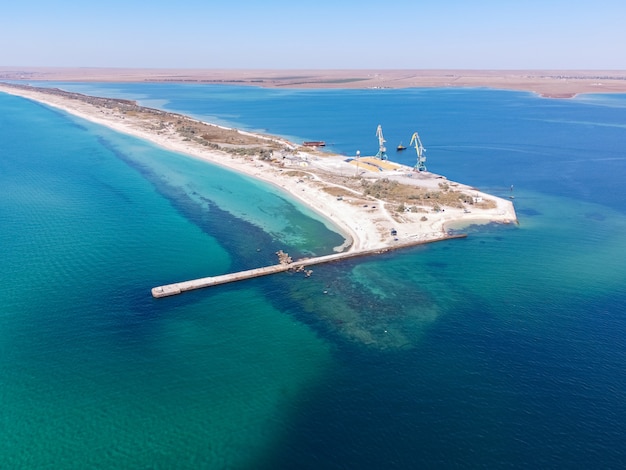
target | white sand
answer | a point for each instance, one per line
(364, 227)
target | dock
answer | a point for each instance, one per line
(299, 265)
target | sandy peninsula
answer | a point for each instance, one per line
(548, 83)
(374, 203)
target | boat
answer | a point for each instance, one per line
(314, 143)
(400, 147)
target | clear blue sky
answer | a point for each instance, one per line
(452, 34)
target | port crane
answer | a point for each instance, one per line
(419, 148)
(382, 151)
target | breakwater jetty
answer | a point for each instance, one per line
(286, 264)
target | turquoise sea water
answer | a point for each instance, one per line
(505, 349)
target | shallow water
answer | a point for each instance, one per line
(502, 349)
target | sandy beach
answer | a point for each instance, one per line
(392, 205)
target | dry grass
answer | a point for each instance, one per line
(404, 197)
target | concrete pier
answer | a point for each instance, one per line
(179, 287)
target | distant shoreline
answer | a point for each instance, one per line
(546, 83)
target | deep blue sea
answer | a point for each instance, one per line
(506, 349)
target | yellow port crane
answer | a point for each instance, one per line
(419, 148)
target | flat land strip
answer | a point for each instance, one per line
(394, 205)
(548, 83)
